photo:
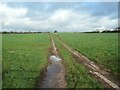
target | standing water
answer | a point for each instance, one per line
(54, 76)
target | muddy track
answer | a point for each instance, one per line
(102, 74)
(54, 77)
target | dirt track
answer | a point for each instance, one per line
(54, 75)
(98, 71)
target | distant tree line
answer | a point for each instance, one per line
(12, 32)
(97, 31)
(116, 30)
(21, 32)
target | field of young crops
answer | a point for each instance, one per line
(77, 75)
(99, 47)
(23, 57)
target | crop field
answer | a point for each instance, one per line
(77, 75)
(59, 45)
(101, 48)
(24, 56)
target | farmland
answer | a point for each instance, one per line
(77, 75)
(26, 55)
(101, 48)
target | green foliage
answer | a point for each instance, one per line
(24, 56)
(99, 47)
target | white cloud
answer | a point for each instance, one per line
(69, 20)
(12, 12)
(14, 21)
(61, 19)
(11, 16)
(61, 15)
(107, 22)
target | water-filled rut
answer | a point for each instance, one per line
(54, 77)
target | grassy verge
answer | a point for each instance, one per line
(24, 56)
(77, 75)
(101, 48)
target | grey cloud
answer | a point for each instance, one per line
(65, 16)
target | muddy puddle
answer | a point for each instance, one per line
(51, 79)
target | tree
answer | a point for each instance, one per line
(106, 31)
(55, 31)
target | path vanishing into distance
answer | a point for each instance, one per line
(55, 74)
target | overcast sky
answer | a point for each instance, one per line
(60, 16)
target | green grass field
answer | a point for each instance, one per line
(99, 47)
(77, 75)
(24, 56)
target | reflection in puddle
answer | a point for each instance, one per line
(50, 79)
